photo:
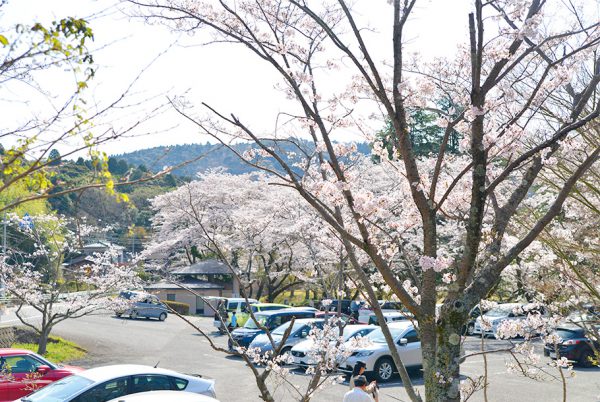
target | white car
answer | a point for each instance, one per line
(488, 323)
(390, 316)
(298, 333)
(301, 350)
(164, 396)
(103, 384)
(366, 311)
(377, 357)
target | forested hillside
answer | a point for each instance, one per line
(204, 157)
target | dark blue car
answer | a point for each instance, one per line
(269, 319)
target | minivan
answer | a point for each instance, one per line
(270, 320)
(240, 306)
(142, 305)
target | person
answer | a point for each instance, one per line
(233, 323)
(222, 313)
(359, 392)
(357, 371)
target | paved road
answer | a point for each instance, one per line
(174, 344)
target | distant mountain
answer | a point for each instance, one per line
(209, 156)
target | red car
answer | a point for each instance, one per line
(22, 372)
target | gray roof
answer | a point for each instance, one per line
(206, 267)
(188, 283)
(103, 245)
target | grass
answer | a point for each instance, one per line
(58, 350)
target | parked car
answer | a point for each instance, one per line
(504, 312)
(469, 327)
(344, 317)
(334, 306)
(390, 316)
(574, 345)
(269, 319)
(106, 383)
(300, 352)
(298, 333)
(366, 310)
(164, 396)
(377, 358)
(23, 371)
(240, 306)
(142, 305)
(260, 307)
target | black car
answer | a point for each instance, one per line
(334, 306)
(575, 346)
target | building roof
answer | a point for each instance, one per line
(188, 283)
(206, 267)
(81, 259)
(103, 245)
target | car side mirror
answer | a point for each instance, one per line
(43, 370)
(403, 342)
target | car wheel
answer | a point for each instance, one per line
(118, 315)
(384, 369)
(584, 359)
(162, 316)
(471, 329)
(285, 350)
(133, 315)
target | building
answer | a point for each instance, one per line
(207, 278)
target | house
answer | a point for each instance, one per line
(207, 278)
(85, 254)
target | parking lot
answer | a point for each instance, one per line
(176, 345)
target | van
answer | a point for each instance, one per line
(142, 305)
(270, 320)
(241, 308)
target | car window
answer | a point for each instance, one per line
(180, 383)
(232, 306)
(276, 321)
(105, 392)
(144, 383)
(61, 390)
(412, 336)
(21, 364)
(254, 309)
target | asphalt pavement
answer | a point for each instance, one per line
(174, 344)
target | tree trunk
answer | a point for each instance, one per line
(442, 367)
(43, 340)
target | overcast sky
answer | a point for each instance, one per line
(223, 75)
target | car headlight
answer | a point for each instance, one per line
(364, 353)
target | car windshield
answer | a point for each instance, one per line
(377, 335)
(60, 390)
(282, 328)
(565, 334)
(250, 324)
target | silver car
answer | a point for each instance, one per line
(377, 355)
(299, 332)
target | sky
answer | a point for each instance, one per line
(158, 64)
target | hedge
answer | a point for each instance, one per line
(181, 308)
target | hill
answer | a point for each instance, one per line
(209, 156)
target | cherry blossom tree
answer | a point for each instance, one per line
(525, 83)
(38, 279)
(263, 230)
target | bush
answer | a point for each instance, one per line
(181, 308)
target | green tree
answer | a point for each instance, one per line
(54, 157)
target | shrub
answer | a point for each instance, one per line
(181, 308)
